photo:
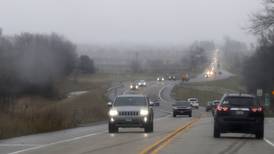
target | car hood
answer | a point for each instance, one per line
(129, 108)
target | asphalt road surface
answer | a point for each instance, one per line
(171, 135)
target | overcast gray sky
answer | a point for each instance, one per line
(135, 21)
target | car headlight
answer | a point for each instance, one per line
(113, 112)
(139, 83)
(131, 86)
(136, 87)
(143, 112)
(145, 83)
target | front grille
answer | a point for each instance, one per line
(128, 113)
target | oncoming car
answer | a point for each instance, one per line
(182, 108)
(134, 86)
(194, 102)
(239, 113)
(142, 83)
(160, 79)
(130, 111)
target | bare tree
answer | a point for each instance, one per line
(264, 21)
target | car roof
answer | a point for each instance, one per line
(182, 101)
(131, 95)
(239, 95)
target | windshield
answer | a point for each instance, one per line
(130, 101)
(239, 101)
(182, 104)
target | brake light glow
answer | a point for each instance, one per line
(222, 108)
(257, 109)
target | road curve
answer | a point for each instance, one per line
(171, 135)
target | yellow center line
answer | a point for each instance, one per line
(161, 143)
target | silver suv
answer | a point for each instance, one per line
(130, 111)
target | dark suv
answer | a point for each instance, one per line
(239, 113)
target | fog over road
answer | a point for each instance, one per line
(195, 137)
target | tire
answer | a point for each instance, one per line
(260, 132)
(174, 115)
(149, 127)
(216, 131)
(190, 114)
(112, 128)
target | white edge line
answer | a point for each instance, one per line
(19, 145)
(54, 143)
(161, 92)
(269, 142)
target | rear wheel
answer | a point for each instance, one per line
(112, 128)
(217, 132)
(260, 132)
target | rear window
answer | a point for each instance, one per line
(193, 99)
(130, 101)
(239, 101)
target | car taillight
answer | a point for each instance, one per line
(257, 109)
(222, 108)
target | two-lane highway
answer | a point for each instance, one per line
(171, 135)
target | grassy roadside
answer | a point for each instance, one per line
(34, 114)
(211, 90)
(206, 91)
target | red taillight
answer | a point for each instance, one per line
(257, 109)
(222, 108)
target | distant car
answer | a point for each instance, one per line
(171, 78)
(185, 77)
(214, 105)
(160, 79)
(182, 108)
(130, 111)
(239, 113)
(134, 86)
(194, 102)
(211, 105)
(208, 106)
(142, 83)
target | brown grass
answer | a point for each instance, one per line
(33, 114)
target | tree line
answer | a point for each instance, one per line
(258, 71)
(33, 63)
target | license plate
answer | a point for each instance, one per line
(128, 119)
(239, 112)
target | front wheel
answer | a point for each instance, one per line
(190, 114)
(174, 115)
(112, 128)
(149, 127)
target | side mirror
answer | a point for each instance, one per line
(109, 104)
(151, 103)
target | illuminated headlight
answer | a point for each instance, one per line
(113, 112)
(145, 119)
(136, 87)
(145, 83)
(163, 79)
(144, 112)
(139, 83)
(158, 79)
(131, 86)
